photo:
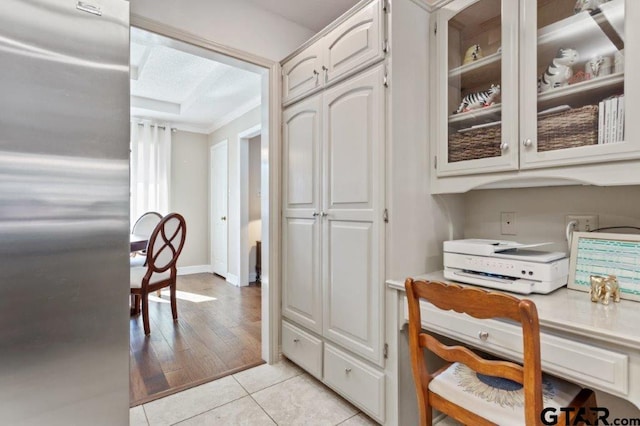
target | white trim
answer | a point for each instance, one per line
(233, 279)
(236, 113)
(243, 208)
(195, 269)
(271, 149)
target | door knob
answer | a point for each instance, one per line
(527, 142)
(223, 218)
(504, 146)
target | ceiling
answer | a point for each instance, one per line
(185, 90)
(311, 14)
(193, 89)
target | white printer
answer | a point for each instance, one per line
(505, 265)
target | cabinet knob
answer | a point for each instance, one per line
(315, 214)
(296, 340)
(324, 214)
(316, 73)
(527, 142)
(223, 218)
(347, 370)
(504, 146)
(483, 335)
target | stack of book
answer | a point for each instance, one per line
(611, 119)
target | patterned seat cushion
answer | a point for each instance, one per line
(496, 399)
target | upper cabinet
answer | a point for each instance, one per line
(355, 43)
(301, 74)
(535, 90)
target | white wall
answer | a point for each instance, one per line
(230, 133)
(237, 24)
(255, 222)
(190, 193)
(540, 212)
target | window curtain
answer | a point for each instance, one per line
(150, 169)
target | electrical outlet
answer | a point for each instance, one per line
(508, 223)
(584, 222)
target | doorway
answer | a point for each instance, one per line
(267, 328)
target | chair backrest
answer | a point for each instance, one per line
(479, 304)
(146, 223)
(165, 245)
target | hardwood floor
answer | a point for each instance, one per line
(217, 334)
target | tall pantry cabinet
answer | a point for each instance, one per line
(356, 204)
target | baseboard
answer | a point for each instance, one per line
(252, 277)
(233, 279)
(195, 269)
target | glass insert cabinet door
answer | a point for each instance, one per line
(477, 97)
(575, 95)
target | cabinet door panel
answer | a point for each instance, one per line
(301, 155)
(574, 102)
(301, 74)
(355, 43)
(353, 135)
(301, 294)
(352, 294)
(477, 93)
(353, 201)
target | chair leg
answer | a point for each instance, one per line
(159, 293)
(174, 306)
(145, 313)
(135, 304)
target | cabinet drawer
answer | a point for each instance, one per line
(302, 73)
(302, 348)
(570, 359)
(355, 43)
(360, 383)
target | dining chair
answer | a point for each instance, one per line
(478, 391)
(165, 245)
(144, 226)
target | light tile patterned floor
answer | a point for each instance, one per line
(279, 394)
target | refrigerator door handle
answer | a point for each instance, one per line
(86, 7)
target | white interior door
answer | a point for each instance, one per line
(219, 222)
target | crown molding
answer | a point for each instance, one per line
(236, 113)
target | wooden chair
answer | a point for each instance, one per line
(477, 391)
(165, 245)
(144, 226)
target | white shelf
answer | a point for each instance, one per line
(481, 115)
(471, 66)
(579, 94)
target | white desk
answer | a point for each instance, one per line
(588, 343)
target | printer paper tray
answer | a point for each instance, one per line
(517, 286)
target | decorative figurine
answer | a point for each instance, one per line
(559, 70)
(480, 99)
(602, 288)
(588, 5)
(473, 54)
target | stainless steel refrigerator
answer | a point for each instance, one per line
(64, 215)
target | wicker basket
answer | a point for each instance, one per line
(475, 144)
(567, 129)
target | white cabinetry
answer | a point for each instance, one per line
(333, 246)
(350, 46)
(355, 198)
(333, 208)
(541, 127)
(301, 74)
